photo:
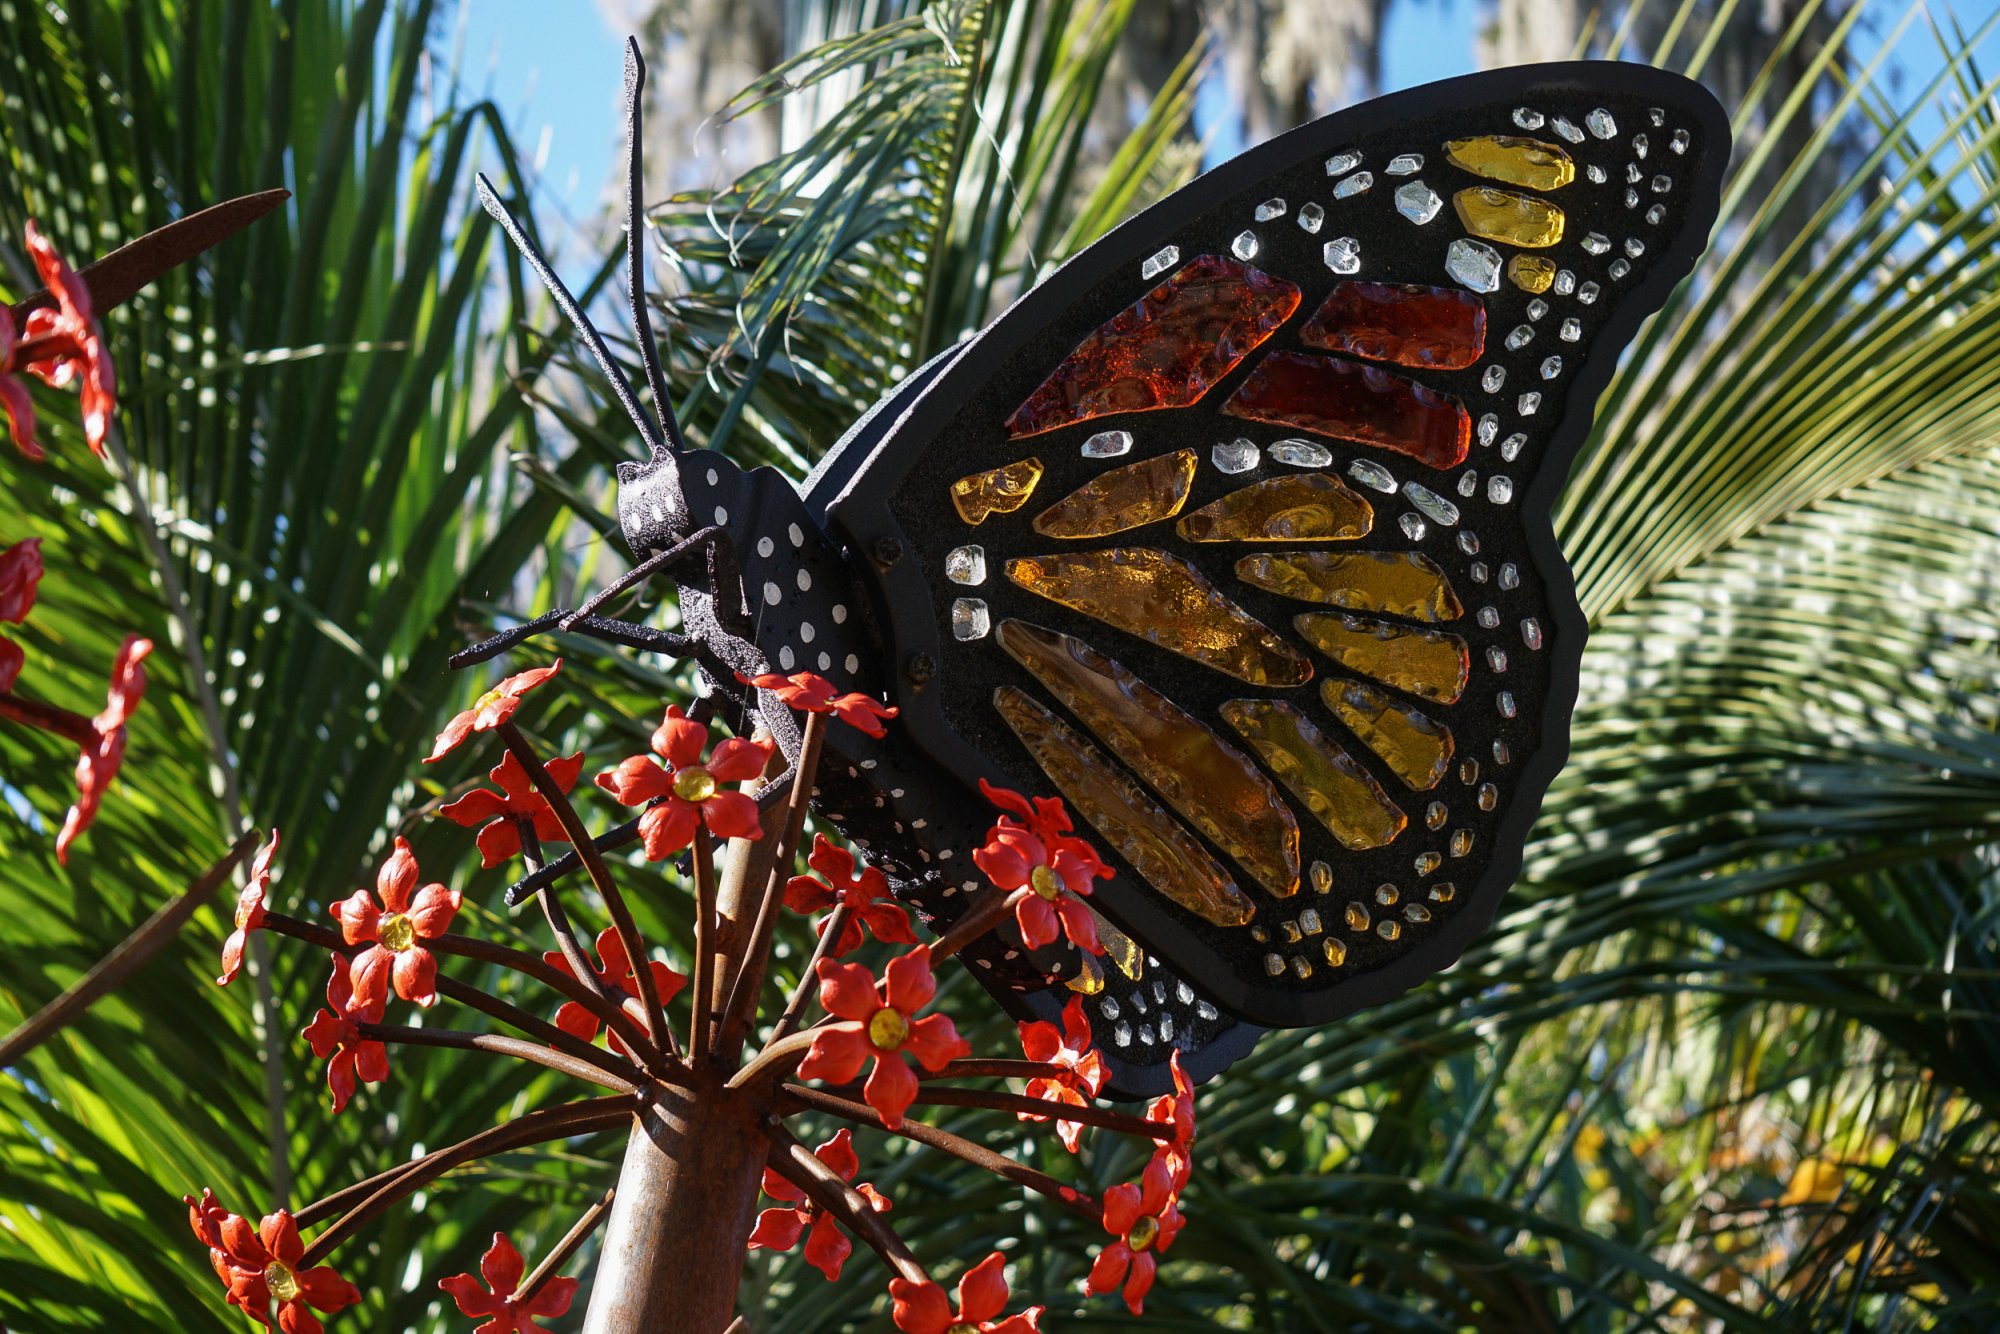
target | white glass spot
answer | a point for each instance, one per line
(1468, 482)
(1565, 129)
(1596, 243)
(1552, 367)
(1499, 489)
(1496, 659)
(1342, 254)
(1162, 260)
(1510, 448)
(1571, 330)
(1639, 145)
(1244, 246)
(1107, 444)
(1349, 186)
(1510, 576)
(1269, 209)
(1413, 527)
(1435, 507)
(1405, 164)
(1537, 308)
(1565, 282)
(1505, 702)
(1601, 124)
(1657, 214)
(1233, 456)
(970, 619)
(1619, 269)
(1679, 143)
(1489, 427)
(1299, 453)
(1343, 162)
(966, 565)
(1468, 542)
(1662, 184)
(1417, 202)
(1595, 173)
(1631, 199)
(1473, 263)
(1519, 337)
(1634, 247)
(1489, 618)
(1373, 476)
(1531, 633)
(1311, 216)
(1496, 376)
(1656, 115)
(1587, 293)
(1528, 118)
(1632, 173)
(1528, 403)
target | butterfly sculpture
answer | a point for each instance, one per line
(1234, 533)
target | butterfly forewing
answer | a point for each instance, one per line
(1235, 533)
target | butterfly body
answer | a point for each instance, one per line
(1235, 532)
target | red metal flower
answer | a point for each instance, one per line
(809, 692)
(336, 1038)
(261, 1265)
(1083, 1070)
(922, 1308)
(395, 931)
(503, 1267)
(827, 1247)
(20, 572)
(14, 399)
(865, 894)
(517, 798)
(881, 1023)
(1177, 1110)
(99, 762)
(1145, 1219)
(249, 911)
(62, 343)
(693, 792)
(490, 710)
(1057, 868)
(614, 969)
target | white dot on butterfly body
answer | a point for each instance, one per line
(713, 477)
(805, 581)
(764, 547)
(772, 593)
(785, 658)
(826, 662)
(796, 534)
(721, 517)
(806, 632)
(840, 613)
(853, 664)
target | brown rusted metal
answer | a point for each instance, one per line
(115, 278)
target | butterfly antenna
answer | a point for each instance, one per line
(592, 340)
(635, 248)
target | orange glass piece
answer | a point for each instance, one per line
(1166, 349)
(1417, 750)
(1300, 507)
(1513, 160)
(1429, 664)
(1364, 404)
(1120, 948)
(1211, 784)
(1511, 219)
(1165, 601)
(995, 491)
(1437, 328)
(1128, 497)
(1398, 583)
(1341, 794)
(1165, 854)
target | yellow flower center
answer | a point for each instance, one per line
(963, 1328)
(1143, 1234)
(1045, 882)
(397, 933)
(243, 914)
(283, 1282)
(488, 700)
(696, 784)
(888, 1029)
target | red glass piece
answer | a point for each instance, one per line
(1166, 349)
(1349, 401)
(1436, 328)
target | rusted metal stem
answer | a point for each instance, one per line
(579, 1233)
(504, 1046)
(1102, 1117)
(799, 1165)
(981, 917)
(558, 920)
(829, 936)
(704, 945)
(984, 1069)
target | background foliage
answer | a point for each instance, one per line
(1727, 1060)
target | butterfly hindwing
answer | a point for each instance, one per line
(1235, 532)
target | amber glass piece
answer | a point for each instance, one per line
(995, 491)
(1511, 219)
(1127, 497)
(1211, 784)
(1338, 791)
(1299, 507)
(1353, 402)
(1528, 163)
(1120, 948)
(1089, 979)
(1533, 274)
(1165, 601)
(1437, 328)
(1399, 583)
(1165, 854)
(1417, 750)
(1429, 664)
(1166, 349)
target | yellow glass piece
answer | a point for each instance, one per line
(1322, 878)
(1211, 784)
(282, 1280)
(1533, 274)
(1143, 1234)
(1338, 791)
(694, 784)
(1166, 856)
(887, 1029)
(1417, 750)
(1429, 664)
(1357, 917)
(1307, 507)
(1529, 163)
(1398, 583)
(1120, 948)
(1336, 951)
(1089, 979)
(396, 932)
(1128, 497)
(1165, 601)
(995, 491)
(1045, 883)
(1511, 219)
